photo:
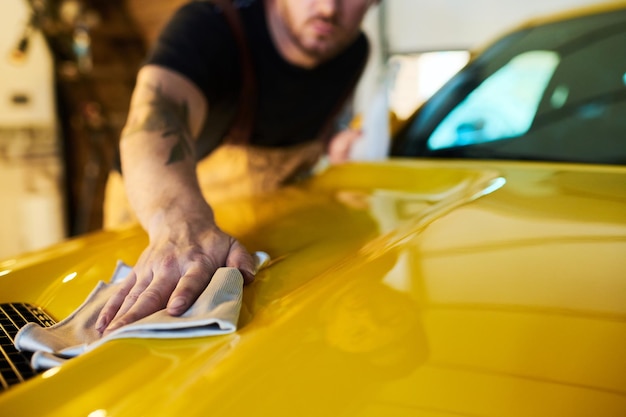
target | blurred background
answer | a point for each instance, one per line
(67, 69)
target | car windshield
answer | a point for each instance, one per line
(555, 92)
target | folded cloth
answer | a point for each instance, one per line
(215, 312)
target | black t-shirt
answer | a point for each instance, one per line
(293, 103)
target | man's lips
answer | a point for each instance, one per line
(323, 27)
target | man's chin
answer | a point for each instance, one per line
(321, 50)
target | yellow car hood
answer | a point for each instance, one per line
(397, 288)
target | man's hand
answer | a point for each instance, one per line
(341, 144)
(172, 272)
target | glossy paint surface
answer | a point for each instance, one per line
(404, 288)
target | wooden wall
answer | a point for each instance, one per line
(149, 16)
(93, 105)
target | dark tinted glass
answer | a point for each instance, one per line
(555, 92)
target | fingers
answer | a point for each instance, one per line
(189, 288)
(133, 296)
(341, 145)
(193, 283)
(147, 296)
(112, 306)
(241, 259)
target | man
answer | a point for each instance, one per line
(307, 55)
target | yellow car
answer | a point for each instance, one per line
(480, 271)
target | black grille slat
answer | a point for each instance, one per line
(15, 365)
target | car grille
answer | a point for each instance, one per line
(15, 365)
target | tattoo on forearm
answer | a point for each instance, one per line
(170, 119)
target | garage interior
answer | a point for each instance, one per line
(67, 70)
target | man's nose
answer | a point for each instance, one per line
(327, 8)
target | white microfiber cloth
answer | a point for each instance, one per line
(215, 312)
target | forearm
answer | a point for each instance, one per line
(157, 189)
(157, 153)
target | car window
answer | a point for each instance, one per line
(502, 106)
(555, 92)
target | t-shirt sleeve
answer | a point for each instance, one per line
(197, 43)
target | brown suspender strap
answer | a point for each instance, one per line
(241, 128)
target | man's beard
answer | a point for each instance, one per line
(321, 48)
